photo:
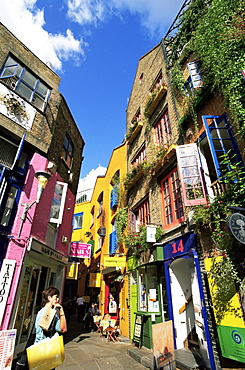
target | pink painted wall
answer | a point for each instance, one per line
(35, 224)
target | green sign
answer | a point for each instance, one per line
(232, 342)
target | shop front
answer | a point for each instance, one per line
(148, 297)
(42, 267)
(185, 297)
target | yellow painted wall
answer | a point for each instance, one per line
(104, 219)
(232, 311)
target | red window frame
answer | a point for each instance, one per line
(163, 129)
(172, 199)
(143, 213)
(140, 157)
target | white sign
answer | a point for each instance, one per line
(15, 108)
(151, 234)
(7, 342)
(6, 276)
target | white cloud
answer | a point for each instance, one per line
(26, 21)
(89, 180)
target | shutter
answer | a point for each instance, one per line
(114, 198)
(195, 74)
(113, 242)
(190, 175)
(18, 153)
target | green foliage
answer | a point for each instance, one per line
(222, 55)
(121, 223)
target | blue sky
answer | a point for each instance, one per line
(94, 46)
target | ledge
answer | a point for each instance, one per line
(135, 133)
(151, 107)
(169, 154)
(134, 179)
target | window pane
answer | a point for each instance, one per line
(152, 285)
(9, 71)
(142, 290)
(29, 78)
(42, 89)
(38, 102)
(9, 206)
(24, 91)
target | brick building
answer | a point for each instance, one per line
(38, 139)
(184, 174)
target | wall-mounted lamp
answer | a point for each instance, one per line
(42, 178)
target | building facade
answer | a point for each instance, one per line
(40, 143)
(185, 146)
(103, 277)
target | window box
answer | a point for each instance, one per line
(134, 175)
(135, 130)
(154, 99)
(166, 156)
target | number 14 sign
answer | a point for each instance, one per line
(179, 246)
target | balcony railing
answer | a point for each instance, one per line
(219, 188)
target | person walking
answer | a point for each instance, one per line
(80, 308)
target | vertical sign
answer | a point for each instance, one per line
(7, 342)
(6, 276)
(138, 330)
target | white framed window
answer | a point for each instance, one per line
(58, 202)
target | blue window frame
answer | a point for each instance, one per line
(78, 221)
(25, 83)
(221, 141)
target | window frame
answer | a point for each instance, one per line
(65, 150)
(163, 130)
(140, 157)
(208, 131)
(61, 203)
(80, 215)
(175, 221)
(189, 166)
(19, 71)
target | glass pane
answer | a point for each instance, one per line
(56, 202)
(142, 290)
(152, 286)
(24, 91)
(42, 89)
(9, 206)
(9, 71)
(38, 102)
(29, 78)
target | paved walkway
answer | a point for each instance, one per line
(89, 351)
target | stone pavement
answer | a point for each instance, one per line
(88, 351)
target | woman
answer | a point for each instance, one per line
(50, 299)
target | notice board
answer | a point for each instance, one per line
(138, 330)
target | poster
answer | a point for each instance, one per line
(138, 330)
(163, 345)
(80, 250)
(7, 342)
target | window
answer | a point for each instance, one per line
(92, 216)
(136, 118)
(158, 82)
(190, 175)
(140, 157)
(10, 152)
(78, 221)
(8, 203)
(113, 239)
(142, 289)
(25, 83)
(100, 204)
(163, 130)
(172, 200)
(58, 202)
(114, 197)
(68, 150)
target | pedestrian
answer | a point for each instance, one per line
(90, 318)
(49, 300)
(80, 308)
(68, 308)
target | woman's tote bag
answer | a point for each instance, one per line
(47, 354)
